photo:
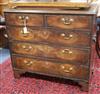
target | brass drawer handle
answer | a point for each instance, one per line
(66, 37)
(24, 31)
(67, 51)
(67, 70)
(27, 48)
(23, 17)
(28, 62)
(67, 21)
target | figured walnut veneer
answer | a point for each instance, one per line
(56, 43)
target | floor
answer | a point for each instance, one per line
(4, 54)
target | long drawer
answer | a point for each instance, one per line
(50, 68)
(67, 54)
(54, 36)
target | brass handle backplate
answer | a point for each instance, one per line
(67, 21)
(28, 62)
(27, 48)
(23, 17)
(66, 37)
(67, 51)
(67, 70)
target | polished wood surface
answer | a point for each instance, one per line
(21, 19)
(69, 22)
(64, 37)
(52, 42)
(50, 68)
(67, 54)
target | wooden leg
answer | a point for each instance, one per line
(17, 73)
(84, 86)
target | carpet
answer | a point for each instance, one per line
(37, 85)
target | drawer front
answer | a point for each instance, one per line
(66, 54)
(69, 21)
(53, 36)
(51, 68)
(24, 19)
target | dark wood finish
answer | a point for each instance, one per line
(98, 38)
(19, 19)
(66, 37)
(69, 22)
(67, 54)
(52, 42)
(17, 73)
(47, 67)
(3, 38)
(84, 86)
(98, 43)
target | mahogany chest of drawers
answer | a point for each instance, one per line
(52, 42)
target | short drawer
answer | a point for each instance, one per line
(66, 37)
(51, 68)
(24, 19)
(67, 54)
(69, 21)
